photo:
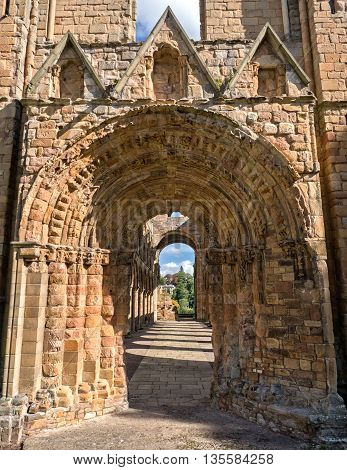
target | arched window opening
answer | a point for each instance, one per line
(169, 74)
(294, 18)
(332, 5)
(5, 8)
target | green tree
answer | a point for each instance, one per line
(162, 281)
(184, 291)
(181, 292)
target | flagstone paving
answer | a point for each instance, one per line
(176, 369)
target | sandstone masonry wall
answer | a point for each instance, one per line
(91, 21)
(329, 51)
(14, 25)
(244, 18)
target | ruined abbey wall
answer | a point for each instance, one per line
(91, 21)
(329, 64)
(243, 132)
(240, 19)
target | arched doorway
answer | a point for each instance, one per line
(177, 282)
(86, 237)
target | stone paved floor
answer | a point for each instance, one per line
(176, 369)
(169, 366)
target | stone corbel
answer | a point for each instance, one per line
(96, 257)
(64, 256)
(216, 256)
(27, 251)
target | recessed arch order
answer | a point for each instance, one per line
(132, 167)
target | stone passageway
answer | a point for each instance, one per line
(176, 369)
(170, 370)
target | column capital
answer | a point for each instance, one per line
(31, 251)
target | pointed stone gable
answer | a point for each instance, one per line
(68, 40)
(167, 47)
(269, 44)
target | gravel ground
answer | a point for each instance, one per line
(164, 428)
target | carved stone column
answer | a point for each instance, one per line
(246, 286)
(75, 323)
(92, 337)
(231, 321)
(122, 263)
(55, 324)
(135, 297)
(140, 305)
(200, 291)
(214, 277)
(108, 340)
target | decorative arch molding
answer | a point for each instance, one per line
(103, 164)
(95, 137)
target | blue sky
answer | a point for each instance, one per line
(149, 12)
(174, 256)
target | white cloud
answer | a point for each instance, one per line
(188, 266)
(171, 265)
(168, 268)
(149, 12)
(173, 250)
(177, 249)
(172, 268)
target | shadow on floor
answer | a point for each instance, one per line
(170, 335)
(171, 385)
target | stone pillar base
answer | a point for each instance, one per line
(325, 423)
(19, 419)
(12, 418)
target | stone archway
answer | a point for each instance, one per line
(85, 245)
(183, 230)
